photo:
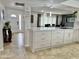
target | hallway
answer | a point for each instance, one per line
(14, 50)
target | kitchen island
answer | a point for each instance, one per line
(43, 37)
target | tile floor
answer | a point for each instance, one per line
(15, 50)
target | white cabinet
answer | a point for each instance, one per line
(57, 37)
(76, 35)
(68, 36)
(52, 38)
(41, 39)
(28, 37)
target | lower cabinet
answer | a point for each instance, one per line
(41, 39)
(68, 36)
(57, 37)
(52, 38)
(76, 35)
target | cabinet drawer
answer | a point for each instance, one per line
(40, 45)
(44, 45)
(57, 43)
(42, 40)
(67, 41)
(57, 38)
(38, 37)
(43, 32)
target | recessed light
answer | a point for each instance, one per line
(13, 15)
(42, 10)
(50, 13)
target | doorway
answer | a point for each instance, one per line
(16, 19)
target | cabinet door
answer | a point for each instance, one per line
(68, 38)
(35, 39)
(57, 37)
(71, 36)
(41, 39)
(76, 35)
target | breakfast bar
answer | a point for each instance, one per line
(43, 38)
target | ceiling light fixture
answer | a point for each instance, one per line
(50, 13)
(42, 10)
(13, 15)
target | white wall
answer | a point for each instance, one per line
(27, 15)
(27, 19)
(44, 19)
(1, 37)
(59, 19)
(27, 28)
(48, 19)
(54, 19)
(1, 26)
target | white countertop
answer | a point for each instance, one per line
(48, 28)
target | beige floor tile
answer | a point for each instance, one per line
(15, 50)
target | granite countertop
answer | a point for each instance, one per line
(50, 28)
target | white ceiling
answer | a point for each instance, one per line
(36, 3)
(58, 6)
(11, 3)
(33, 3)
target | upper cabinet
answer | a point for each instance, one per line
(41, 20)
(53, 20)
(57, 37)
